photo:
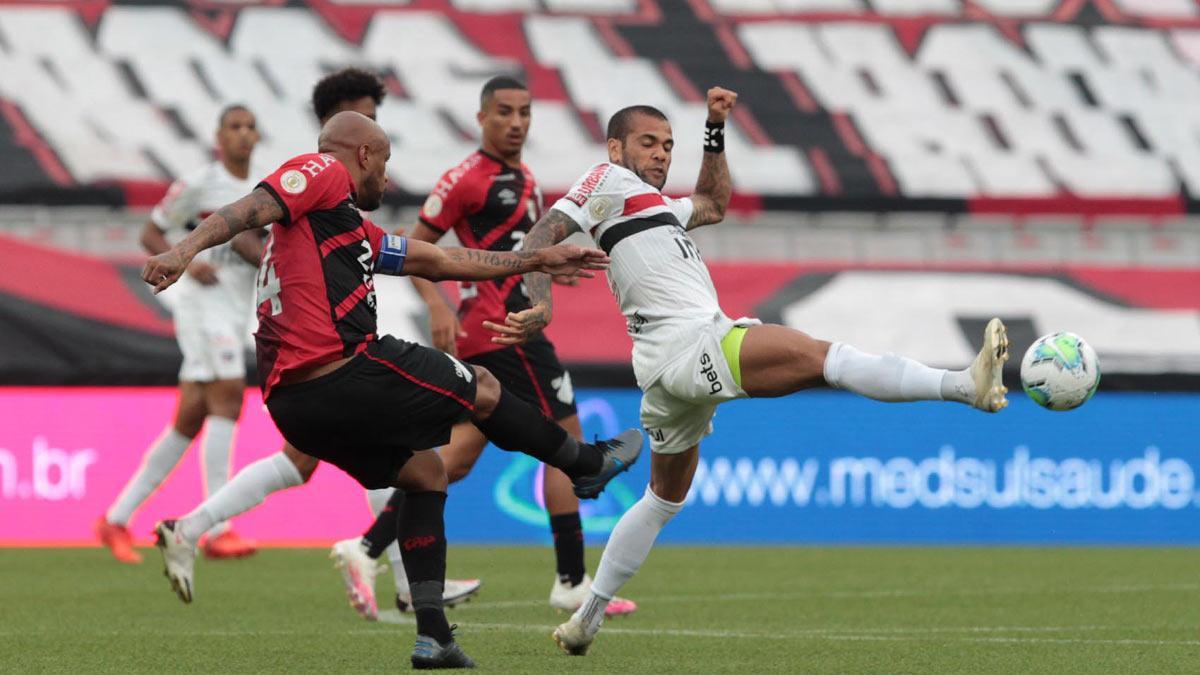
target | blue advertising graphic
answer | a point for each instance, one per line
(829, 467)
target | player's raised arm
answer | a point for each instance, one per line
(714, 186)
(426, 260)
(257, 209)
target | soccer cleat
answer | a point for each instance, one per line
(619, 454)
(358, 575)
(570, 598)
(429, 654)
(228, 544)
(118, 540)
(572, 637)
(179, 558)
(454, 593)
(987, 371)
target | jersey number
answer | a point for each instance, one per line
(686, 248)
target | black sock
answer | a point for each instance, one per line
(567, 529)
(422, 537)
(517, 426)
(382, 532)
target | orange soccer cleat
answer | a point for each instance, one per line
(118, 540)
(229, 544)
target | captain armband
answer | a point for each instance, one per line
(392, 253)
(714, 137)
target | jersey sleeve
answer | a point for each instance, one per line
(682, 208)
(594, 198)
(178, 207)
(308, 183)
(449, 202)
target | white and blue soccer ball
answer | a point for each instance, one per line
(1060, 371)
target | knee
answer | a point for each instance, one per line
(487, 393)
(305, 464)
(226, 400)
(189, 423)
(457, 470)
(669, 490)
(423, 473)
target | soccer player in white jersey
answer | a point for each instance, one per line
(687, 355)
(211, 307)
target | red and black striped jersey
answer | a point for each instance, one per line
(491, 206)
(316, 289)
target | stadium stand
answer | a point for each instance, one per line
(937, 104)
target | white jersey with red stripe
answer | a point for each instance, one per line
(661, 284)
(191, 199)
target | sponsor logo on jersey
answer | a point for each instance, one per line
(507, 197)
(580, 194)
(293, 182)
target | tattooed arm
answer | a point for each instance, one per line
(714, 186)
(437, 263)
(520, 326)
(257, 209)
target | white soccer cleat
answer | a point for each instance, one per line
(570, 598)
(987, 371)
(179, 558)
(358, 575)
(454, 593)
(572, 637)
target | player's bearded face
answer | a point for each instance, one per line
(646, 151)
(505, 119)
(238, 135)
(370, 194)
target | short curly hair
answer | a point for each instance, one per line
(348, 84)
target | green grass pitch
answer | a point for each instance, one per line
(745, 610)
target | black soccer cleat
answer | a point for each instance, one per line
(429, 654)
(619, 454)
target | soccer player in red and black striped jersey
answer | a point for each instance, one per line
(490, 200)
(372, 405)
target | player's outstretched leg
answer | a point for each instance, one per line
(775, 361)
(571, 582)
(630, 543)
(422, 537)
(177, 539)
(513, 424)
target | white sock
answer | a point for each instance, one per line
(377, 499)
(884, 378)
(217, 449)
(625, 552)
(248, 489)
(158, 461)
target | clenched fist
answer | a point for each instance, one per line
(720, 102)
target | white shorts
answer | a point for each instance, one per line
(213, 342)
(678, 407)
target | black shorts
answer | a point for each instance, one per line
(532, 372)
(370, 415)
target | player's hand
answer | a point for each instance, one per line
(565, 280)
(569, 260)
(519, 327)
(163, 269)
(720, 102)
(445, 329)
(203, 272)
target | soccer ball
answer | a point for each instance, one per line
(1060, 371)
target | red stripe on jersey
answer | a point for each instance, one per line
(642, 202)
(536, 387)
(344, 239)
(349, 302)
(514, 220)
(422, 383)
